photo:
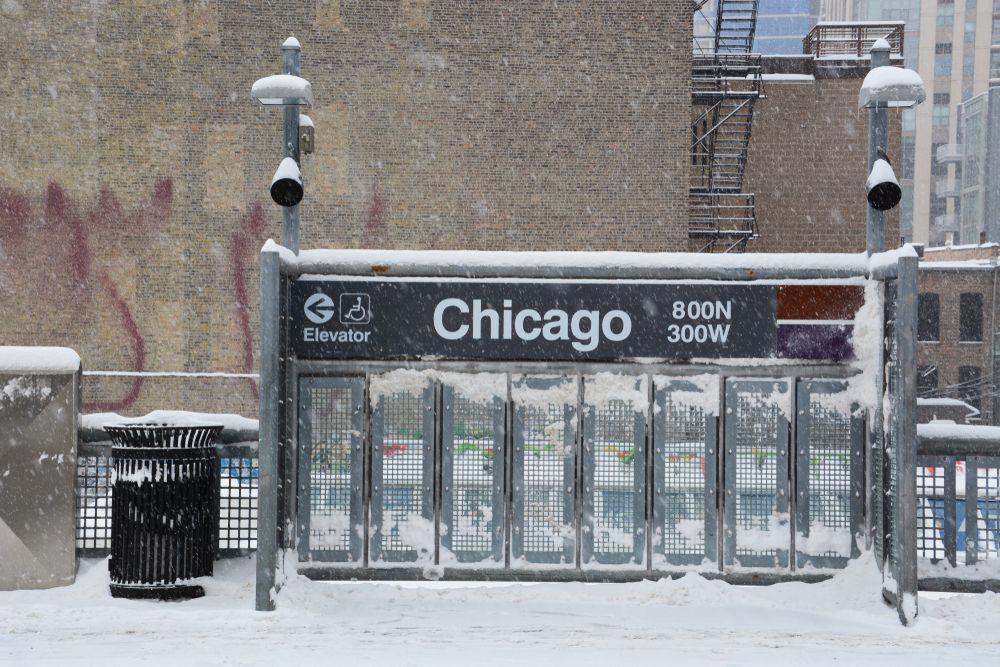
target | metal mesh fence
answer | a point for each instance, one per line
(238, 475)
(402, 448)
(614, 482)
(544, 475)
(680, 472)
(332, 436)
(545, 456)
(93, 499)
(931, 511)
(987, 545)
(238, 482)
(958, 510)
(828, 475)
(756, 451)
(475, 470)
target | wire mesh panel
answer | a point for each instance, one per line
(239, 473)
(936, 529)
(685, 460)
(473, 468)
(331, 460)
(614, 469)
(544, 525)
(982, 509)
(93, 499)
(757, 526)
(402, 496)
(829, 480)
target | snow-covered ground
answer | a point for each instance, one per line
(690, 621)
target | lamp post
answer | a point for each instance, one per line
(878, 133)
(884, 87)
(289, 91)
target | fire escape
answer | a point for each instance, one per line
(726, 82)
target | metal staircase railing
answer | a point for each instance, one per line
(735, 26)
(725, 84)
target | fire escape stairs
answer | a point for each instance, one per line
(726, 84)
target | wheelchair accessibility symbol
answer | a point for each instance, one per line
(355, 309)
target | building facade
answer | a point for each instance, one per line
(957, 327)
(955, 47)
(976, 188)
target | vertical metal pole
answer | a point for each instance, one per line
(290, 52)
(904, 426)
(270, 386)
(878, 131)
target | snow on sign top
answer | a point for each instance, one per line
(38, 360)
(891, 87)
(282, 90)
(475, 264)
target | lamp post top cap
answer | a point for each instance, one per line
(891, 87)
(291, 43)
(881, 44)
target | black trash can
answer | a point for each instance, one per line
(163, 520)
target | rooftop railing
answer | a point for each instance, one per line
(833, 39)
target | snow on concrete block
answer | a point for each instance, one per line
(38, 360)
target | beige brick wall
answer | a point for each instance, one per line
(807, 166)
(133, 166)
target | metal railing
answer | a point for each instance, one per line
(958, 509)
(237, 498)
(722, 218)
(725, 74)
(852, 39)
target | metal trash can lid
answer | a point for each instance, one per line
(152, 435)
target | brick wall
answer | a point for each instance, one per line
(950, 353)
(808, 157)
(134, 169)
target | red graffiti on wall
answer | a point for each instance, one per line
(243, 246)
(374, 232)
(75, 271)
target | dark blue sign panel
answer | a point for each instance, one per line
(537, 320)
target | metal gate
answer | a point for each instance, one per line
(563, 475)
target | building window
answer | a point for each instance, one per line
(942, 65)
(970, 385)
(927, 380)
(970, 318)
(928, 309)
(970, 31)
(945, 14)
(942, 98)
(940, 115)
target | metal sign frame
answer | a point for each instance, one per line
(281, 373)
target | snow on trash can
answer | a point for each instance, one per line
(163, 509)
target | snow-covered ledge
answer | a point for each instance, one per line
(584, 265)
